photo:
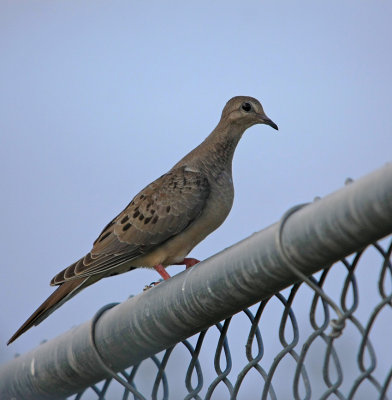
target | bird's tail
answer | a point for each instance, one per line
(62, 294)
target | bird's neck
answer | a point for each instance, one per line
(217, 150)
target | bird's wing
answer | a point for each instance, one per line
(160, 211)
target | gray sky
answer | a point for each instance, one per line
(99, 98)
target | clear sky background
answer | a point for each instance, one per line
(99, 98)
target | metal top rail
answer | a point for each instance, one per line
(306, 240)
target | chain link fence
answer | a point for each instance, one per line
(284, 346)
(304, 309)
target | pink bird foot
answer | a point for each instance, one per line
(161, 271)
(189, 262)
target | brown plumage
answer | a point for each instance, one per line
(169, 217)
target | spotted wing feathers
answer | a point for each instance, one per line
(160, 211)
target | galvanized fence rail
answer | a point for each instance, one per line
(313, 293)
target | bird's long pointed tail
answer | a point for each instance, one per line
(62, 294)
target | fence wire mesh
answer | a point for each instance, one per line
(293, 345)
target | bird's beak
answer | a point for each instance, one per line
(265, 120)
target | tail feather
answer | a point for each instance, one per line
(62, 294)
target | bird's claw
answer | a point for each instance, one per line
(152, 284)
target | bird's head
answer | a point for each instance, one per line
(245, 111)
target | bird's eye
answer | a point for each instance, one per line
(246, 107)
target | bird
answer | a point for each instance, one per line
(168, 218)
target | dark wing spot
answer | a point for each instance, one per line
(125, 219)
(168, 209)
(147, 220)
(126, 227)
(148, 206)
(155, 219)
(141, 217)
(142, 197)
(136, 213)
(107, 226)
(152, 211)
(104, 236)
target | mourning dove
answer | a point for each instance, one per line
(169, 217)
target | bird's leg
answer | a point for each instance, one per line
(162, 271)
(188, 262)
